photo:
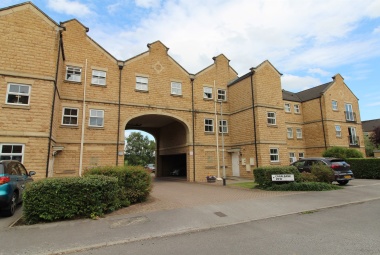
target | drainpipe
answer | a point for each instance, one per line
(83, 120)
(323, 125)
(53, 103)
(216, 133)
(192, 77)
(254, 117)
(120, 64)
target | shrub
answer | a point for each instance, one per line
(303, 186)
(134, 181)
(341, 152)
(323, 173)
(66, 198)
(368, 168)
(308, 177)
(263, 175)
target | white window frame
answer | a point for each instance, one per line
(209, 124)
(297, 108)
(349, 112)
(17, 95)
(301, 155)
(299, 133)
(352, 135)
(289, 132)
(142, 83)
(223, 126)
(176, 88)
(338, 131)
(292, 157)
(222, 95)
(96, 115)
(287, 107)
(207, 93)
(271, 120)
(71, 116)
(275, 153)
(98, 77)
(73, 73)
(12, 154)
(334, 105)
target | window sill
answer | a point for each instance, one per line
(297, 113)
(142, 91)
(288, 112)
(299, 138)
(94, 127)
(290, 138)
(14, 106)
(69, 126)
(99, 85)
(176, 95)
(275, 163)
(209, 133)
(208, 99)
(272, 125)
(225, 134)
(73, 82)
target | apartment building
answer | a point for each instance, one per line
(66, 103)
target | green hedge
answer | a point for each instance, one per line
(304, 186)
(368, 168)
(263, 175)
(134, 181)
(66, 198)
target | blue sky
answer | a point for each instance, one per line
(309, 41)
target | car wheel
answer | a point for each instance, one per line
(342, 182)
(12, 207)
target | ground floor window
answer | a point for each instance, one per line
(292, 157)
(12, 152)
(274, 155)
(301, 155)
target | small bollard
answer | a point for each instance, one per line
(224, 181)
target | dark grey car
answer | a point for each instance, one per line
(341, 168)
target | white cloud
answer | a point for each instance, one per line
(147, 3)
(376, 30)
(74, 8)
(319, 71)
(295, 83)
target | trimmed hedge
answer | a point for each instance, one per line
(368, 168)
(66, 198)
(263, 175)
(134, 181)
(304, 186)
(341, 152)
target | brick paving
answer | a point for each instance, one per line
(169, 193)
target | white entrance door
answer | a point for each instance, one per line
(235, 164)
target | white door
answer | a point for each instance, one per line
(235, 164)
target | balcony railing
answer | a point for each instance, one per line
(353, 141)
(350, 116)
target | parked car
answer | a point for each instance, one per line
(13, 178)
(342, 171)
(151, 168)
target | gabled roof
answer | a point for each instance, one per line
(314, 92)
(370, 125)
(67, 21)
(290, 96)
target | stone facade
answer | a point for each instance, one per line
(66, 103)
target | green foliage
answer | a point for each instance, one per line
(139, 150)
(369, 147)
(341, 152)
(303, 186)
(368, 168)
(323, 173)
(375, 136)
(134, 181)
(308, 177)
(66, 198)
(263, 175)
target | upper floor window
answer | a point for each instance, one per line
(223, 128)
(176, 88)
(96, 118)
(73, 73)
(98, 77)
(290, 132)
(338, 131)
(141, 83)
(70, 116)
(222, 96)
(287, 107)
(349, 112)
(209, 125)
(274, 155)
(12, 152)
(334, 105)
(207, 92)
(271, 118)
(297, 108)
(299, 133)
(18, 94)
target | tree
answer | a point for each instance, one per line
(375, 136)
(139, 150)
